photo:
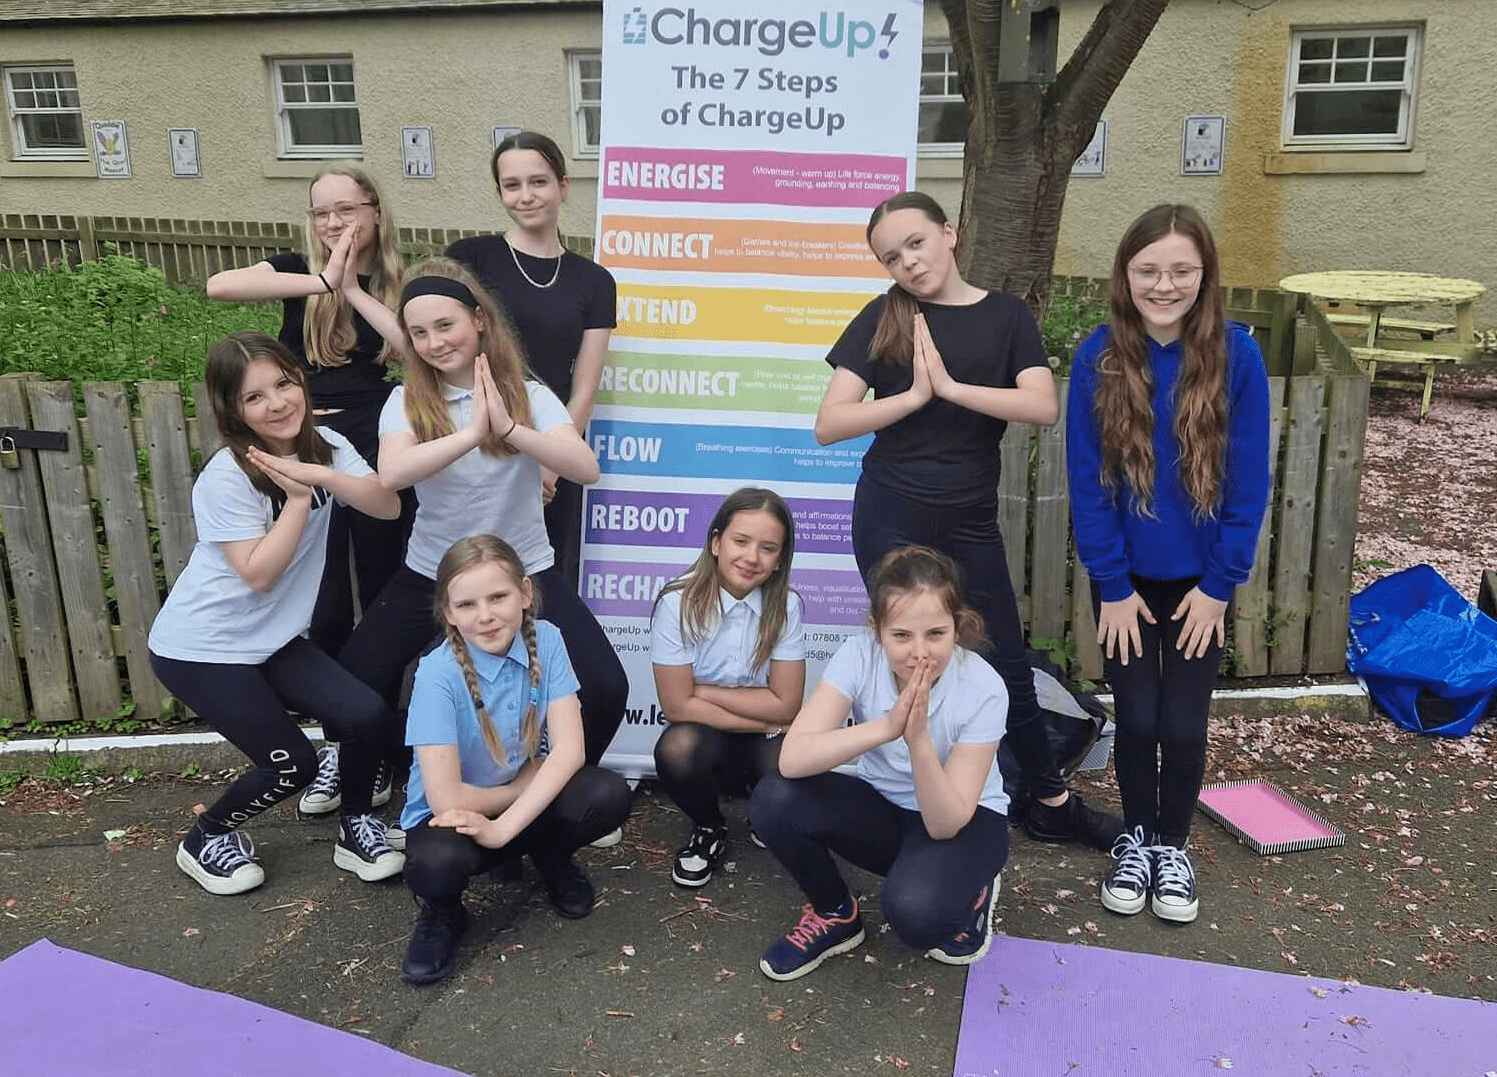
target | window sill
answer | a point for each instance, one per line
(25, 169)
(1342, 163)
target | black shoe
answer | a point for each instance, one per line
(700, 856)
(384, 784)
(1072, 821)
(432, 951)
(569, 890)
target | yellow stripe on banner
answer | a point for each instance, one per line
(765, 315)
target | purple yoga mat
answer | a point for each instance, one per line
(1050, 1009)
(66, 1014)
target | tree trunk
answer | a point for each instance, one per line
(1024, 136)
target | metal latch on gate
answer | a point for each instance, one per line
(13, 438)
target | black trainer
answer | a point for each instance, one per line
(700, 856)
(220, 863)
(384, 785)
(1072, 820)
(972, 943)
(569, 890)
(364, 849)
(432, 951)
(325, 794)
(1174, 885)
(1130, 879)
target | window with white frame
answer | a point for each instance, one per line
(587, 102)
(1352, 89)
(943, 111)
(46, 118)
(317, 108)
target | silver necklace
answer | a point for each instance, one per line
(533, 282)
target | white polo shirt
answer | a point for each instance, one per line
(722, 656)
(968, 705)
(212, 615)
(478, 494)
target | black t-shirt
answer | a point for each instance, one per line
(551, 320)
(944, 454)
(359, 383)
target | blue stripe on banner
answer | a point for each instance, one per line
(757, 453)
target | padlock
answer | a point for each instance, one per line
(8, 455)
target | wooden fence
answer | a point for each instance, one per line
(93, 536)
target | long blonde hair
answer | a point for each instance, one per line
(425, 407)
(465, 554)
(1124, 400)
(328, 332)
(701, 604)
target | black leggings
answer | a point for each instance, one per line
(1160, 703)
(248, 705)
(930, 886)
(439, 861)
(697, 764)
(564, 528)
(883, 520)
(402, 624)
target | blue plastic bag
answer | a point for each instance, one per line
(1427, 656)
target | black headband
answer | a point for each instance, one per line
(452, 289)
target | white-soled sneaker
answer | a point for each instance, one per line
(700, 856)
(609, 840)
(325, 794)
(1174, 885)
(224, 863)
(972, 943)
(1126, 888)
(384, 784)
(364, 849)
(396, 837)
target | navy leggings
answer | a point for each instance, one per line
(1161, 703)
(402, 624)
(439, 861)
(697, 764)
(930, 886)
(883, 520)
(248, 706)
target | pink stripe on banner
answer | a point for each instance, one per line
(823, 180)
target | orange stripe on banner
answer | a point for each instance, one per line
(728, 246)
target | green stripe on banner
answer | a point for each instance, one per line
(714, 383)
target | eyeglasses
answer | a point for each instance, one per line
(345, 211)
(1180, 276)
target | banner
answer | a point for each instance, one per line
(741, 157)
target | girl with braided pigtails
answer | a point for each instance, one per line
(499, 770)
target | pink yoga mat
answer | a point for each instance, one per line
(1267, 819)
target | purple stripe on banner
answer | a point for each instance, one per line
(628, 589)
(680, 520)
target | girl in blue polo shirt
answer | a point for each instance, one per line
(230, 642)
(1167, 446)
(499, 768)
(729, 654)
(927, 808)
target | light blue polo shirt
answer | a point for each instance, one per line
(212, 615)
(442, 711)
(968, 705)
(722, 656)
(478, 494)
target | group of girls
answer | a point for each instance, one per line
(500, 348)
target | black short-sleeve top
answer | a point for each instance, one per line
(359, 383)
(550, 321)
(944, 454)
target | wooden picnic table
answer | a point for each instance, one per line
(1376, 290)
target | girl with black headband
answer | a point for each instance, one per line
(471, 433)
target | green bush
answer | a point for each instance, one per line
(114, 319)
(1068, 321)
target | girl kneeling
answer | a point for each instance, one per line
(927, 808)
(499, 767)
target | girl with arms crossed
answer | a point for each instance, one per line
(950, 365)
(729, 653)
(230, 640)
(499, 764)
(1167, 447)
(927, 808)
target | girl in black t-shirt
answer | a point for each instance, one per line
(950, 365)
(563, 305)
(336, 301)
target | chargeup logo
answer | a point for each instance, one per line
(832, 30)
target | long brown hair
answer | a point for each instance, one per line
(425, 406)
(894, 335)
(328, 333)
(701, 604)
(227, 362)
(461, 556)
(906, 569)
(1123, 403)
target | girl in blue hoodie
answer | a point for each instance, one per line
(1167, 447)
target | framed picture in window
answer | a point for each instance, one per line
(184, 151)
(1202, 143)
